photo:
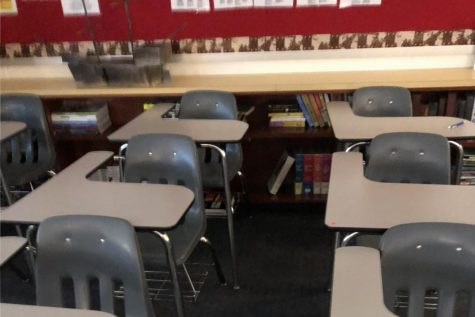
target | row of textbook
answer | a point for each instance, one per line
(468, 169)
(81, 117)
(451, 105)
(312, 173)
(314, 108)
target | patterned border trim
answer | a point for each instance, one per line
(254, 44)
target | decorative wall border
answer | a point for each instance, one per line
(254, 44)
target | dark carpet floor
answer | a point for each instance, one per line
(284, 256)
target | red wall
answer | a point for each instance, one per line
(42, 20)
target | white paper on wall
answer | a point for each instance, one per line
(8, 7)
(273, 3)
(232, 4)
(75, 7)
(190, 5)
(307, 3)
(351, 3)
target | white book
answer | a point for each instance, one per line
(280, 172)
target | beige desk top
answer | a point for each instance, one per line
(9, 246)
(69, 192)
(10, 128)
(357, 284)
(15, 310)
(349, 127)
(254, 84)
(355, 202)
(151, 121)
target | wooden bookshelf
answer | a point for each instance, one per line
(262, 145)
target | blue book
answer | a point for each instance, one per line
(298, 189)
(304, 110)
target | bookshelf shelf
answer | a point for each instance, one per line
(469, 144)
(289, 133)
(66, 137)
(286, 198)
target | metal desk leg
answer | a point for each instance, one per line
(171, 262)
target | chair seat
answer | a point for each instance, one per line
(28, 173)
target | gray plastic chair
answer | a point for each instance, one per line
(88, 250)
(407, 157)
(214, 158)
(170, 159)
(27, 156)
(382, 101)
(424, 260)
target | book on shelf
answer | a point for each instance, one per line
(298, 184)
(303, 108)
(287, 123)
(280, 172)
(283, 108)
(312, 173)
(81, 117)
(307, 174)
(215, 204)
(316, 109)
(310, 110)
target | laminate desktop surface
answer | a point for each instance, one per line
(9, 246)
(143, 205)
(349, 127)
(15, 310)
(200, 130)
(355, 202)
(10, 128)
(357, 289)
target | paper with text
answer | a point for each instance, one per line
(308, 3)
(351, 3)
(75, 7)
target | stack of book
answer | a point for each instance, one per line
(282, 116)
(314, 108)
(81, 117)
(468, 169)
(312, 173)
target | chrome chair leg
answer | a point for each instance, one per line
(172, 264)
(217, 264)
(229, 211)
(242, 179)
(349, 237)
(188, 277)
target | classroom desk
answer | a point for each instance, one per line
(201, 130)
(9, 246)
(70, 192)
(357, 284)
(146, 206)
(349, 127)
(355, 202)
(9, 129)
(15, 310)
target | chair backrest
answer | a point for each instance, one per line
(382, 101)
(31, 153)
(211, 104)
(430, 258)
(90, 251)
(169, 159)
(408, 157)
